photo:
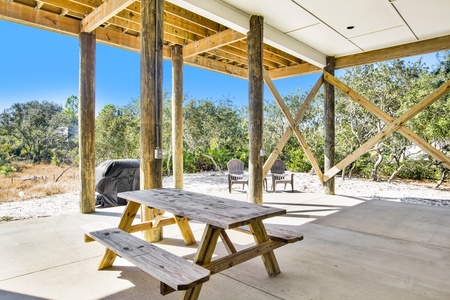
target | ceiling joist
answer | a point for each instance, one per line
(103, 13)
(209, 41)
(212, 42)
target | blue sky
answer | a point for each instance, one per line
(42, 65)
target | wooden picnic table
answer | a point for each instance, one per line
(219, 214)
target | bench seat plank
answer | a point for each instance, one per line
(173, 270)
(276, 233)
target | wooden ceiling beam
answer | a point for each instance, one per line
(289, 59)
(234, 58)
(180, 13)
(180, 33)
(124, 23)
(130, 16)
(64, 12)
(239, 49)
(39, 4)
(168, 37)
(93, 4)
(217, 66)
(292, 71)
(70, 6)
(180, 18)
(411, 49)
(103, 13)
(191, 17)
(184, 25)
(267, 55)
(212, 42)
(122, 19)
(27, 15)
(242, 58)
(231, 57)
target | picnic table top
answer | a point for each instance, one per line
(213, 210)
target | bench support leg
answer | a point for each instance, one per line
(204, 256)
(269, 259)
(125, 223)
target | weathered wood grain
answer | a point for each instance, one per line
(173, 270)
(275, 232)
(217, 211)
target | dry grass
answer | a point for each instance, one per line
(20, 185)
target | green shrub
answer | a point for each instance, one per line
(55, 161)
(298, 162)
(7, 169)
(419, 170)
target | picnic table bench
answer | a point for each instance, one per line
(219, 214)
(168, 268)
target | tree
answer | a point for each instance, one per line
(433, 124)
(389, 85)
(36, 130)
(275, 125)
(117, 132)
(214, 130)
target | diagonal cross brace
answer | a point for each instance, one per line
(391, 126)
(405, 131)
(293, 127)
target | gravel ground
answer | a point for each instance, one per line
(209, 182)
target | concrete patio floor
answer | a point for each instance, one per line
(353, 249)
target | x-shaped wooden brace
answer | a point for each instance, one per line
(292, 126)
(391, 125)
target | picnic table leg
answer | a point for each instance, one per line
(203, 256)
(269, 259)
(185, 230)
(125, 223)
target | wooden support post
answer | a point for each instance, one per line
(152, 13)
(177, 115)
(329, 121)
(86, 122)
(256, 94)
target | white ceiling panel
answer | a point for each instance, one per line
(325, 40)
(286, 16)
(427, 19)
(366, 16)
(314, 29)
(386, 38)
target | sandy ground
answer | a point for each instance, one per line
(209, 182)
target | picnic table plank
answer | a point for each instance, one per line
(217, 211)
